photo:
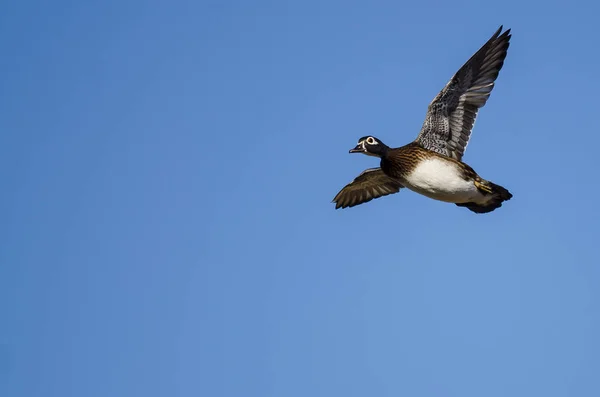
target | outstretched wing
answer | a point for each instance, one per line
(370, 184)
(451, 114)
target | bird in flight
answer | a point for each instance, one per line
(432, 164)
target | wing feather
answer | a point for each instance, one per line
(370, 184)
(452, 113)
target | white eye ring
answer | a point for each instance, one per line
(370, 140)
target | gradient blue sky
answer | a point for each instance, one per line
(166, 226)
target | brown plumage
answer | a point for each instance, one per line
(432, 164)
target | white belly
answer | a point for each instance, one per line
(442, 180)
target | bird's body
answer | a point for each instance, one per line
(443, 180)
(432, 164)
(439, 177)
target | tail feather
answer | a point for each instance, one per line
(503, 193)
(498, 195)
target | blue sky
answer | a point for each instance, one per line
(166, 225)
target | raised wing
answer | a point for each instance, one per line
(370, 184)
(451, 114)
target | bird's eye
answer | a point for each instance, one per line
(370, 140)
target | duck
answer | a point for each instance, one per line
(432, 164)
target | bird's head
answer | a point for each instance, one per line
(370, 146)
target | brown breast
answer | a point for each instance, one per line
(402, 161)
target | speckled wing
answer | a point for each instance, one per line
(451, 114)
(370, 184)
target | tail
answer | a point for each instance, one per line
(494, 196)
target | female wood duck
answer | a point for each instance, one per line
(431, 165)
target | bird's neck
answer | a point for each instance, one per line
(384, 152)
